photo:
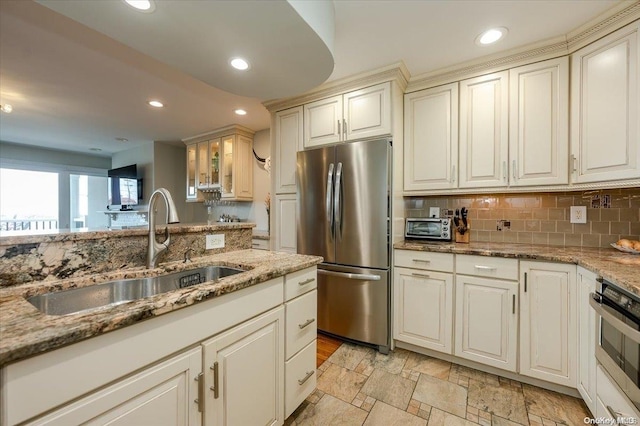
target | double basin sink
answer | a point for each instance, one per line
(116, 292)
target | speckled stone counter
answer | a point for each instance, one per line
(621, 268)
(25, 331)
(73, 254)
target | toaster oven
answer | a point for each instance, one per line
(430, 228)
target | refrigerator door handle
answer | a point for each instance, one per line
(328, 205)
(362, 277)
(337, 210)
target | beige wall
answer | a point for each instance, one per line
(543, 218)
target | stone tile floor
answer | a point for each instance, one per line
(359, 386)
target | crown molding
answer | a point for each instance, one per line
(396, 72)
(613, 19)
(233, 129)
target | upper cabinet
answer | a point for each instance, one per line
(288, 141)
(604, 119)
(431, 138)
(221, 161)
(355, 115)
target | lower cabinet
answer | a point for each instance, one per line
(243, 373)
(424, 308)
(487, 321)
(161, 395)
(548, 331)
(587, 332)
(610, 402)
(285, 223)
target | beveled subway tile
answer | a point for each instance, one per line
(542, 214)
(483, 213)
(635, 227)
(525, 237)
(609, 215)
(594, 214)
(484, 236)
(620, 201)
(582, 228)
(540, 238)
(549, 200)
(606, 240)
(631, 215)
(532, 225)
(564, 226)
(556, 214)
(574, 240)
(620, 227)
(510, 237)
(591, 240)
(498, 214)
(599, 227)
(556, 239)
(522, 214)
(517, 225)
(565, 201)
(497, 236)
(548, 226)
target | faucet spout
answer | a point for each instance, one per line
(154, 248)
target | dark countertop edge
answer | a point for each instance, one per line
(100, 321)
(65, 235)
(581, 256)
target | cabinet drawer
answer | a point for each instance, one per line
(424, 260)
(300, 282)
(301, 322)
(486, 266)
(300, 378)
(259, 244)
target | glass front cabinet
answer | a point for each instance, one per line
(221, 160)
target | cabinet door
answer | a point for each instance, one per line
(539, 123)
(548, 322)
(214, 162)
(611, 403)
(243, 168)
(605, 135)
(367, 112)
(285, 223)
(587, 332)
(431, 138)
(226, 167)
(248, 362)
(424, 308)
(487, 321)
(288, 141)
(203, 165)
(323, 122)
(163, 394)
(484, 131)
(192, 192)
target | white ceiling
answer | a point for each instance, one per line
(74, 88)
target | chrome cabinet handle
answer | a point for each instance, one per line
(515, 177)
(504, 171)
(306, 323)
(305, 282)
(488, 268)
(344, 128)
(415, 274)
(525, 282)
(200, 398)
(329, 198)
(513, 303)
(453, 173)
(339, 131)
(214, 388)
(421, 260)
(305, 378)
(337, 220)
(574, 168)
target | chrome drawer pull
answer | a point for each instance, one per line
(305, 282)
(421, 260)
(415, 274)
(200, 399)
(305, 378)
(215, 388)
(488, 268)
(306, 323)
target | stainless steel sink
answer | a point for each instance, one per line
(116, 292)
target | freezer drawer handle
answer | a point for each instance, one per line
(306, 323)
(305, 378)
(307, 281)
(365, 277)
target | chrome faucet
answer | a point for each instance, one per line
(154, 248)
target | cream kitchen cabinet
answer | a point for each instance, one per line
(423, 299)
(431, 139)
(587, 334)
(288, 140)
(605, 128)
(161, 395)
(486, 329)
(243, 374)
(484, 131)
(548, 329)
(285, 227)
(354, 115)
(539, 123)
(221, 160)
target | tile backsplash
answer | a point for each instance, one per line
(543, 218)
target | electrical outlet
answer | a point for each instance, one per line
(214, 241)
(578, 214)
(434, 211)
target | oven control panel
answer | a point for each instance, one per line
(622, 300)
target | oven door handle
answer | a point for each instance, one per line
(605, 313)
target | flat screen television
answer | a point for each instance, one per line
(124, 187)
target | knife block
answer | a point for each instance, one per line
(463, 238)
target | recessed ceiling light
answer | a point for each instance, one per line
(240, 112)
(156, 104)
(491, 36)
(239, 64)
(122, 139)
(6, 108)
(142, 5)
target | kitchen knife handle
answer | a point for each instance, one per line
(336, 200)
(329, 197)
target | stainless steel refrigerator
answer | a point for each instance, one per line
(343, 215)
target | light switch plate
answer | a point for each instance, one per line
(578, 214)
(214, 241)
(434, 211)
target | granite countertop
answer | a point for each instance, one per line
(25, 331)
(621, 268)
(8, 238)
